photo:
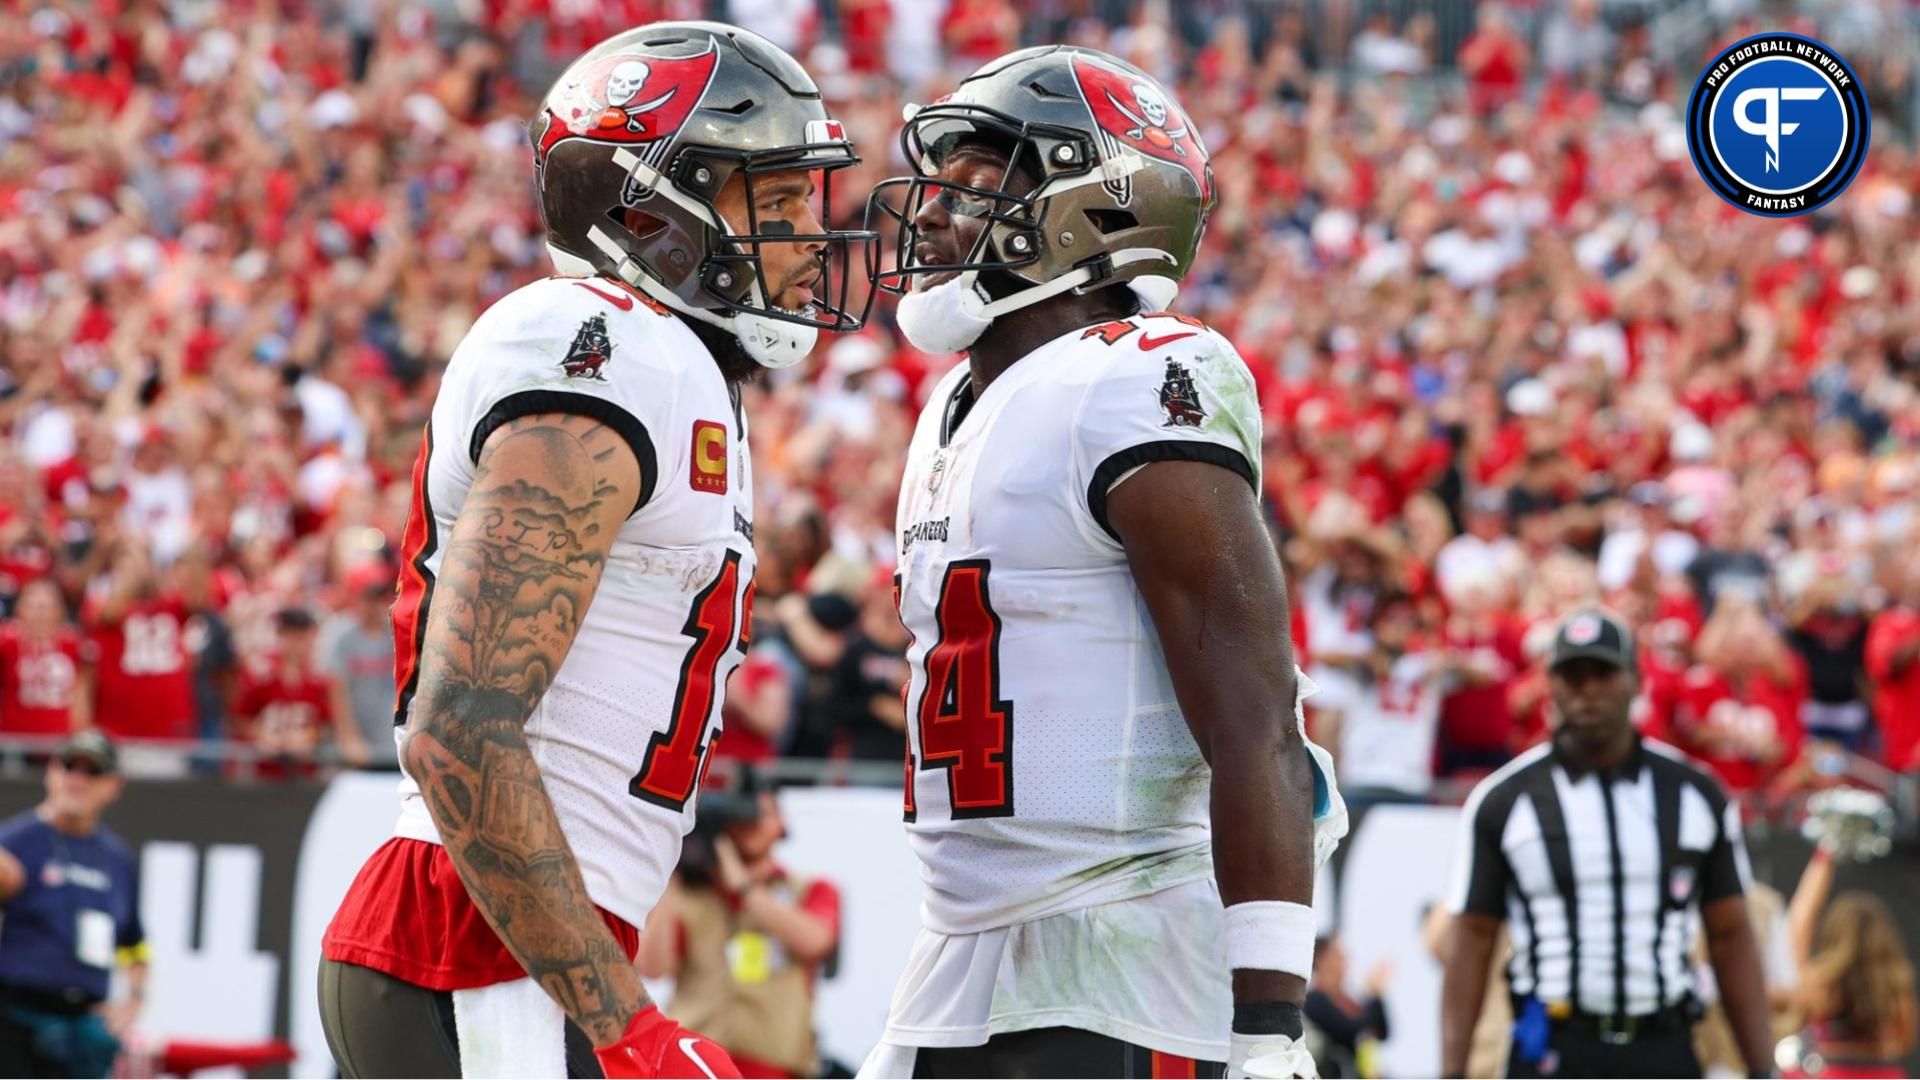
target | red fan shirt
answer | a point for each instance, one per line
(146, 672)
(1896, 694)
(276, 707)
(1711, 709)
(1475, 715)
(39, 680)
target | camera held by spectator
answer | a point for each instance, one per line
(744, 939)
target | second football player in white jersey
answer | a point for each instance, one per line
(1116, 809)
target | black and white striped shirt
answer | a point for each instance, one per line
(1600, 877)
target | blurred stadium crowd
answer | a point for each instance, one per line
(1513, 354)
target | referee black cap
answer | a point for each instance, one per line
(1593, 634)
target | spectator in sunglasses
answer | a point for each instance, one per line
(69, 914)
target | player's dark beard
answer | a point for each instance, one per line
(735, 365)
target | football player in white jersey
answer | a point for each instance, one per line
(1116, 809)
(578, 566)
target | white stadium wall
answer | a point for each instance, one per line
(851, 835)
(238, 883)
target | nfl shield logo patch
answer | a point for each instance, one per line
(1680, 885)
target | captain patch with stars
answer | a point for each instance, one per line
(1778, 124)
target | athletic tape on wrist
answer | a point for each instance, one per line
(1259, 1019)
(1271, 935)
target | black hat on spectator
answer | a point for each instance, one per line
(832, 611)
(1593, 634)
(293, 618)
(90, 745)
(1523, 503)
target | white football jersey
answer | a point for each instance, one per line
(1050, 767)
(622, 735)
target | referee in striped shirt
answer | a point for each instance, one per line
(1597, 849)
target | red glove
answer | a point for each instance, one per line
(656, 1046)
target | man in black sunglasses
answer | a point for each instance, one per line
(69, 914)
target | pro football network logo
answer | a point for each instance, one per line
(1778, 125)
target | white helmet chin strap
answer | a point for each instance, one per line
(770, 342)
(951, 316)
(1074, 279)
(1155, 292)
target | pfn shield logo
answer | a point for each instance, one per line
(1134, 113)
(1778, 125)
(628, 98)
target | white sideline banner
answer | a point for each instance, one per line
(851, 836)
(239, 884)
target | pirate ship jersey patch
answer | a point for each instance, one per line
(1180, 399)
(590, 351)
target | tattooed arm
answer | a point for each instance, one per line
(526, 553)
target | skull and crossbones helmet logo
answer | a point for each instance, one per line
(1149, 115)
(625, 81)
(624, 84)
(1152, 107)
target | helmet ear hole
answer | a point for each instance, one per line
(642, 225)
(1107, 221)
